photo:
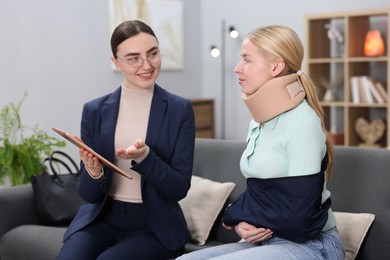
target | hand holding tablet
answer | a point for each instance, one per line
(80, 144)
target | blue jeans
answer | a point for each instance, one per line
(328, 245)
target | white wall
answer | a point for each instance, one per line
(59, 51)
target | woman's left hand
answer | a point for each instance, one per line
(133, 151)
(251, 233)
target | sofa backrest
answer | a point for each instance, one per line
(218, 160)
(361, 184)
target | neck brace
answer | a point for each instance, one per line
(276, 96)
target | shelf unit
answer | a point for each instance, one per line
(204, 117)
(331, 64)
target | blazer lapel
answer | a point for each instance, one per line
(157, 115)
(109, 113)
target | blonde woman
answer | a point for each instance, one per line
(285, 211)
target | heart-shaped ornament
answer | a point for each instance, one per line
(370, 132)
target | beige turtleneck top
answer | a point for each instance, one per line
(133, 116)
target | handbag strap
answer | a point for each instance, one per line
(52, 159)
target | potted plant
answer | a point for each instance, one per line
(22, 148)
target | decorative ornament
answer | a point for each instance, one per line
(330, 85)
(335, 34)
(370, 132)
(373, 45)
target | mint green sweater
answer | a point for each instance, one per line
(290, 144)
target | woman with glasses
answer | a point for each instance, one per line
(147, 132)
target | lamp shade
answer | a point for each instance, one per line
(374, 45)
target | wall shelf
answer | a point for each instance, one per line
(329, 61)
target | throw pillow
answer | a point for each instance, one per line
(202, 205)
(353, 228)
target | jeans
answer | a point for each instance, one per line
(327, 245)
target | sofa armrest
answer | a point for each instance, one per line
(17, 207)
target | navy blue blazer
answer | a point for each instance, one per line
(165, 172)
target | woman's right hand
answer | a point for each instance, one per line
(251, 233)
(92, 164)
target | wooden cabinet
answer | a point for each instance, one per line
(204, 117)
(331, 63)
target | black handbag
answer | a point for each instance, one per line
(55, 195)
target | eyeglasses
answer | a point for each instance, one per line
(154, 59)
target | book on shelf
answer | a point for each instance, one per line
(355, 89)
(366, 90)
(365, 83)
(361, 90)
(381, 90)
(377, 93)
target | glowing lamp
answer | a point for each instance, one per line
(373, 45)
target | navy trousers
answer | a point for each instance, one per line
(121, 232)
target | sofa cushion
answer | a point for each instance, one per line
(353, 228)
(202, 205)
(32, 242)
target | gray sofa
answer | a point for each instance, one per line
(361, 183)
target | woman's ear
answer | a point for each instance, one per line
(115, 63)
(278, 67)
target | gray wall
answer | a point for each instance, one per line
(59, 52)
